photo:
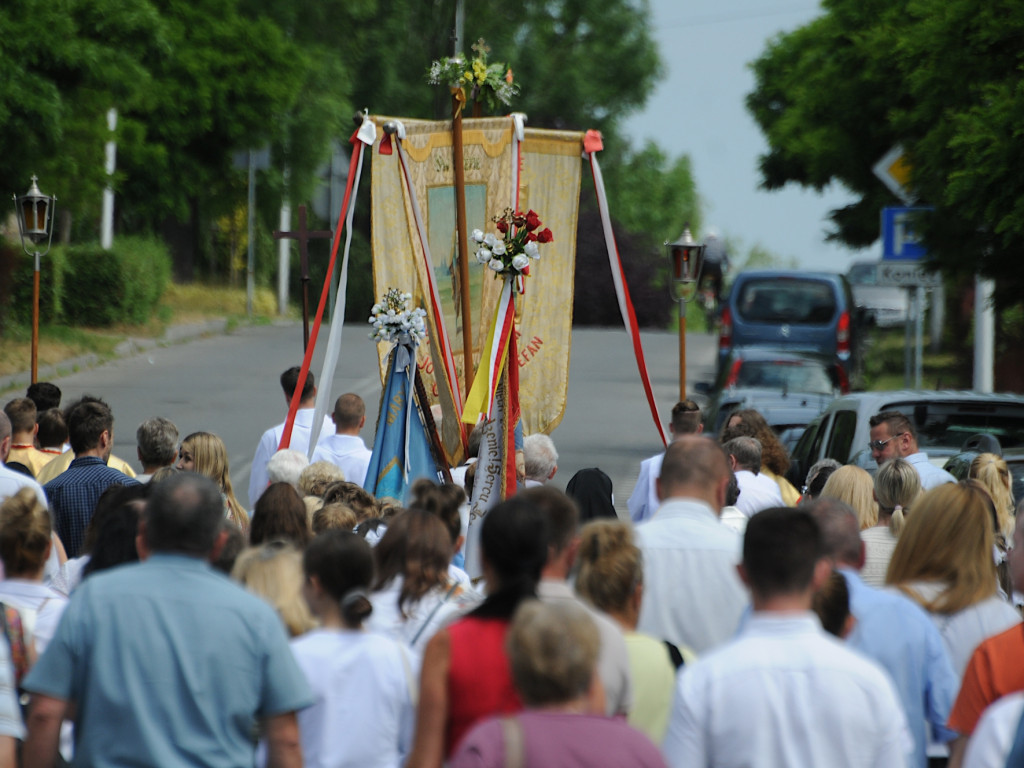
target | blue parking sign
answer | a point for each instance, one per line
(900, 238)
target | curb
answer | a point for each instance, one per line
(131, 346)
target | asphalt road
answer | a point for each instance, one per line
(228, 384)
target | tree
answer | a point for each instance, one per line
(942, 78)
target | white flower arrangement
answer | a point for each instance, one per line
(392, 318)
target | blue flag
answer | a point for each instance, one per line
(401, 449)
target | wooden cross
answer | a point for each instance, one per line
(304, 235)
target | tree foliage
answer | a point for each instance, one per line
(196, 81)
(943, 78)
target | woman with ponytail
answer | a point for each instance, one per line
(25, 541)
(363, 683)
(466, 675)
(897, 486)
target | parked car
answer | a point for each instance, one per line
(943, 420)
(798, 311)
(788, 388)
(881, 305)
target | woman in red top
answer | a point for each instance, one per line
(465, 675)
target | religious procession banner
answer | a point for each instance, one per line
(548, 183)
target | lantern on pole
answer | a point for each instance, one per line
(34, 211)
(686, 257)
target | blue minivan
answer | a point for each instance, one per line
(794, 310)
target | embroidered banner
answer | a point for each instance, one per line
(549, 182)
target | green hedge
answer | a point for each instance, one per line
(122, 285)
(51, 283)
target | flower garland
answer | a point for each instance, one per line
(392, 318)
(520, 242)
(491, 83)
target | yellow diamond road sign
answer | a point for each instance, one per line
(894, 171)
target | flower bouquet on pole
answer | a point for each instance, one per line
(493, 401)
(403, 450)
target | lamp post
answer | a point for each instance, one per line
(687, 259)
(35, 224)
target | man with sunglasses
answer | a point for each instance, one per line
(893, 437)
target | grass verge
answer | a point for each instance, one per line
(884, 362)
(194, 303)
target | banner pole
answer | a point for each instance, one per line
(460, 226)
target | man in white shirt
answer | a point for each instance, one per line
(301, 430)
(783, 692)
(345, 449)
(644, 501)
(563, 542)
(692, 594)
(893, 436)
(757, 492)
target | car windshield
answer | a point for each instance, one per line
(947, 425)
(786, 300)
(788, 375)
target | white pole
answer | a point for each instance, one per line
(984, 334)
(918, 335)
(283, 258)
(107, 217)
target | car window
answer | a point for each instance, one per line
(862, 274)
(786, 300)
(839, 443)
(947, 425)
(789, 375)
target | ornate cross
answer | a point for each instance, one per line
(304, 235)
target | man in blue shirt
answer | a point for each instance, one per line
(892, 631)
(73, 493)
(167, 662)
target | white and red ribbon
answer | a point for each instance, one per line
(592, 145)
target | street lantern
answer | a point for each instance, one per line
(34, 212)
(686, 257)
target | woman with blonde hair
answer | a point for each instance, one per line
(274, 572)
(992, 472)
(611, 578)
(25, 541)
(204, 453)
(943, 561)
(897, 485)
(855, 487)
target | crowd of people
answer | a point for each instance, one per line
(732, 618)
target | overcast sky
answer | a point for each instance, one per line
(698, 109)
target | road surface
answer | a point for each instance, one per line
(228, 384)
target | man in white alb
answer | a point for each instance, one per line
(644, 501)
(271, 440)
(345, 448)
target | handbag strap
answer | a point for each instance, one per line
(515, 742)
(433, 613)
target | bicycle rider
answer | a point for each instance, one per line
(716, 264)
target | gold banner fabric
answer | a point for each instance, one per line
(549, 184)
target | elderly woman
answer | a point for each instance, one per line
(553, 650)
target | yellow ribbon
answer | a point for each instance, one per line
(460, 100)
